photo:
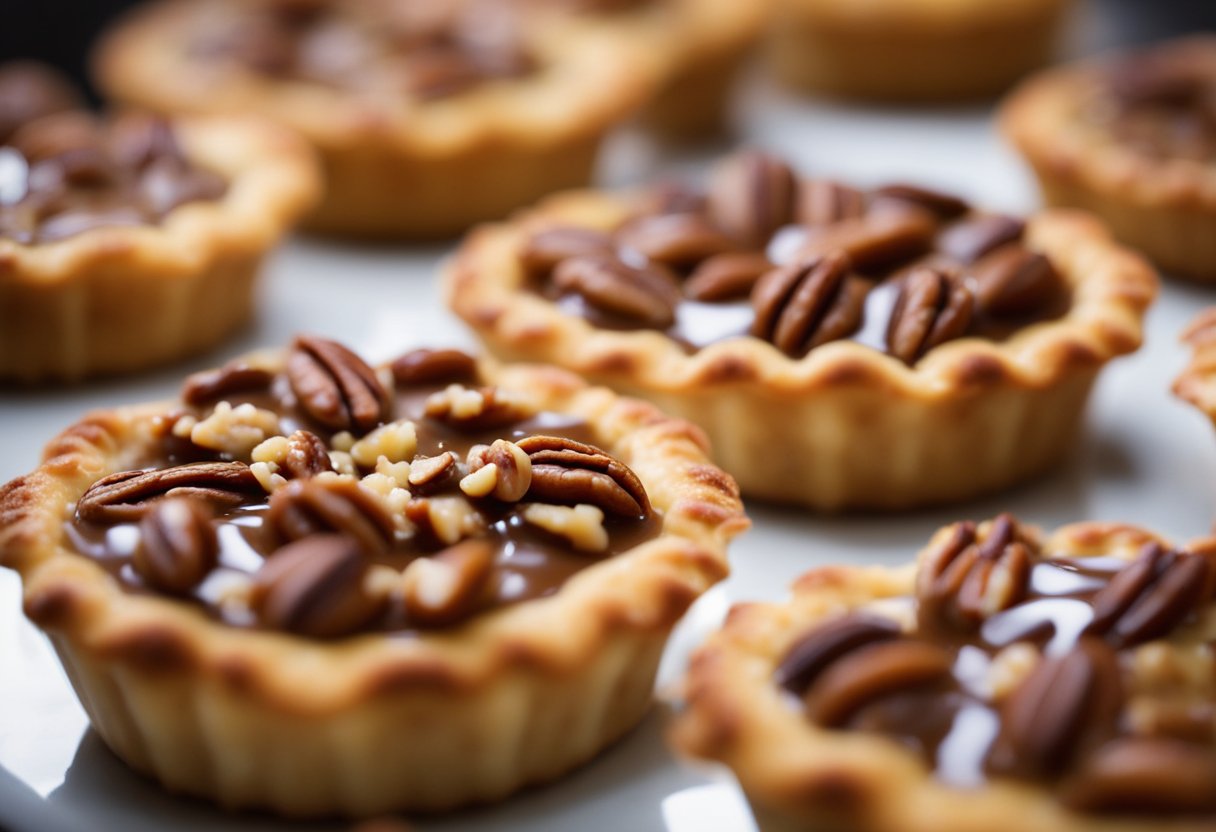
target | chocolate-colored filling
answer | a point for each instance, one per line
(1066, 722)
(526, 561)
(427, 50)
(800, 263)
(72, 172)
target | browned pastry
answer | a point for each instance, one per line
(312, 584)
(1005, 681)
(836, 344)
(1131, 138)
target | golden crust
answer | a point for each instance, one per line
(606, 627)
(956, 401)
(909, 51)
(1165, 207)
(801, 776)
(1197, 381)
(123, 298)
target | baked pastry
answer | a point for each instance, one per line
(319, 588)
(1197, 381)
(843, 349)
(1131, 138)
(912, 50)
(129, 242)
(428, 117)
(1006, 681)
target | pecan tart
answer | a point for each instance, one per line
(1006, 681)
(1131, 138)
(428, 117)
(842, 348)
(318, 587)
(913, 50)
(130, 241)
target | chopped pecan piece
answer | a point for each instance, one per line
(823, 202)
(1064, 706)
(313, 506)
(545, 249)
(447, 586)
(726, 276)
(970, 239)
(1145, 776)
(512, 474)
(314, 587)
(933, 307)
(943, 204)
(808, 303)
(480, 408)
(336, 387)
(812, 653)
(1012, 280)
(425, 366)
(126, 496)
(648, 295)
(1150, 596)
(178, 545)
(751, 195)
(233, 378)
(568, 472)
(306, 456)
(431, 473)
(964, 581)
(872, 672)
(676, 240)
(443, 520)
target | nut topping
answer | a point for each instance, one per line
(177, 545)
(512, 469)
(943, 204)
(430, 473)
(647, 295)
(235, 377)
(726, 276)
(971, 239)
(331, 504)
(314, 587)
(478, 409)
(1012, 280)
(933, 307)
(425, 366)
(335, 386)
(568, 472)
(306, 456)
(808, 303)
(545, 249)
(875, 241)
(822, 202)
(965, 581)
(1145, 776)
(811, 654)
(127, 495)
(751, 195)
(1150, 596)
(871, 672)
(675, 240)
(447, 586)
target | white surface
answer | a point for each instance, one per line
(1145, 458)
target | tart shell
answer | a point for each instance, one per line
(368, 724)
(120, 299)
(845, 427)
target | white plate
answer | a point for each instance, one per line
(1144, 458)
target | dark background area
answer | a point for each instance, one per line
(61, 31)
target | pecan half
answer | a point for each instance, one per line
(1150, 596)
(970, 239)
(545, 249)
(235, 377)
(307, 507)
(872, 672)
(512, 469)
(314, 587)
(126, 496)
(940, 203)
(334, 386)
(1012, 280)
(1064, 706)
(823, 202)
(449, 585)
(425, 366)
(828, 642)
(726, 276)
(808, 303)
(876, 240)
(676, 240)
(1145, 776)
(964, 581)
(306, 456)
(751, 195)
(933, 307)
(648, 295)
(569, 472)
(178, 545)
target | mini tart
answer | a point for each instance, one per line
(843, 425)
(351, 717)
(111, 297)
(924, 50)
(397, 165)
(1131, 138)
(815, 704)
